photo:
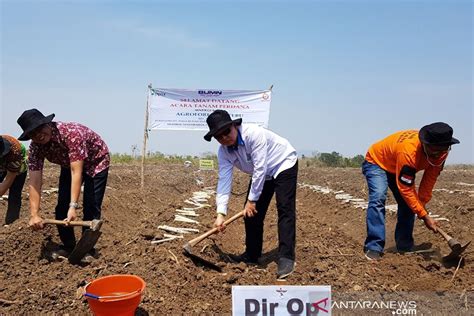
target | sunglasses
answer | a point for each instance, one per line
(36, 131)
(223, 133)
(436, 151)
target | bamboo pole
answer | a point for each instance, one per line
(145, 137)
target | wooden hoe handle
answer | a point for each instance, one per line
(214, 230)
(443, 233)
(71, 223)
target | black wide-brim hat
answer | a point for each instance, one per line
(4, 146)
(217, 121)
(438, 134)
(31, 119)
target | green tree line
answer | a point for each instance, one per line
(333, 159)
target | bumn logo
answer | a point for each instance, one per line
(209, 92)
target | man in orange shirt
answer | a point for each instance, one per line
(393, 163)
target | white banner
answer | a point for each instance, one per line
(281, 300)
(179, 109)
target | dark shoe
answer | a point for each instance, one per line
(373, 255)
(60, 254)
(404, 251)
(423, 247)
(285, 267)
(243, 258)
(94, 253)
(88, 258)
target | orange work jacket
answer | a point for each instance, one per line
(402, 154)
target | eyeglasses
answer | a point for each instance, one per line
(223, 133)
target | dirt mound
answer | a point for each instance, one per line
(330, 235)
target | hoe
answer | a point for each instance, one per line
(88, 240)
(456, 248)
(187, 248)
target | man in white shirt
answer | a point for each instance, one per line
(273, 164)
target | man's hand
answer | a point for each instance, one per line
(7, 182)
(71, 215)
(219, 223)
(36, 222)
(250, 209)
(430, 223)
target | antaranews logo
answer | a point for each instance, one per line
(395, 307)
(405, 308)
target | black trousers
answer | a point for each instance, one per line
(14, 197)
(284, 187)
(93, 195)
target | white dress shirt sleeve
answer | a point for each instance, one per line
(224, 185)
(258, 153)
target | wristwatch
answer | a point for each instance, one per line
(74, 205)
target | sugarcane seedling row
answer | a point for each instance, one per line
(187, 213)
(178, 230)
(190, 208)
(173, 236)
(163, 240)
(199, 205)
(181, 218)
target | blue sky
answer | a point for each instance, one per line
(345, 73)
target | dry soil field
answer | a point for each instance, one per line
(330, 234)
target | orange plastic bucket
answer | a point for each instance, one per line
(117, 295)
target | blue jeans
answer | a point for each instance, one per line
(378, 180)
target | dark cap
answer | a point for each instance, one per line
(31, 119)
(217, 121)
(438, 134)
(4, 146)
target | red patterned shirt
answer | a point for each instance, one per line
(71, 142)
(15, 159)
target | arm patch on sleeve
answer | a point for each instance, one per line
(407, 175)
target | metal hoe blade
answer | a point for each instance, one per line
(196, 259)
(456, 252)
(84, 245)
